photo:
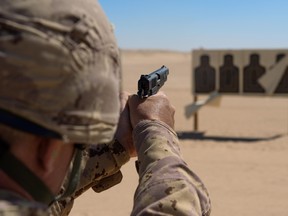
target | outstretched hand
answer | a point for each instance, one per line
(135, 110)
(156, 107)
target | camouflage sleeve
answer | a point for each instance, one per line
(167, 186)
(101, 172)
(103, 161)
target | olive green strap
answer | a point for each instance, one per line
(74, 176)
(16, 170)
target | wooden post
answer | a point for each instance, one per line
(287, 122)
(195, 116)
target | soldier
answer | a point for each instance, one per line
(59, 109)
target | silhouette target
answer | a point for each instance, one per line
(252, 73)
(229, 76)
(205, 76)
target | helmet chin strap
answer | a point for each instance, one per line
(17, 171)
(32, 184)
(74, 174)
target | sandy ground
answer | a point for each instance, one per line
(241, 156)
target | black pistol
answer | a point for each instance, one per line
(150, 84)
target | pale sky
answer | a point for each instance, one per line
(184, 25)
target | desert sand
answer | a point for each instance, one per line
(242, 155)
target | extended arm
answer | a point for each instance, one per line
(167, 186)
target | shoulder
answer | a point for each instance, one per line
(12, 205)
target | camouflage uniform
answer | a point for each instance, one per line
(60, 70)
(13, 205)
(101, 172)
(166, 184)
(54, 48)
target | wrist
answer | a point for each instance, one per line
(144, 123)
(146, 129)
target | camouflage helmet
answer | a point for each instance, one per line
(60, 67)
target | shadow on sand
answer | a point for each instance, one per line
(184, 135)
